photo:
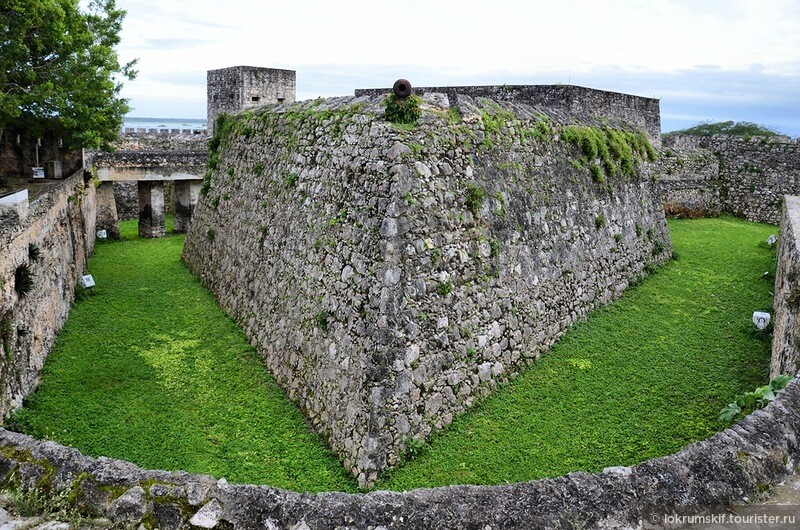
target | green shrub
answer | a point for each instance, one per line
(444, 288)
(33, 502)
(491, 124)
(600, 221)
(616, 150)
(321, 320)
(494, 248)
(751, 401)
(474, 197)
(597, 173)
(34, 252)
(404, 111)
(290, 180)
(23, 280)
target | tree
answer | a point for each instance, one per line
(726, 128)
(59, 70)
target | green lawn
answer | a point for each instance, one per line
(149, 369)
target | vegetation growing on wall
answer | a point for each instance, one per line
(474, 197)
(23, 280)
(616, 151)
(222, 131)
(403, 111)
(749, 401)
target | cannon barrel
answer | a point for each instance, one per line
(402, 88)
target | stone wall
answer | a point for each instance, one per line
(18, 154)
(125, 168)
(752, 174)
(689, 180)
(733, 466)
(142, 141)
(126, 196)
(230, 90)
(786, 335)
(41, 260)
(392, 277)
(584, 103)
(148, 165)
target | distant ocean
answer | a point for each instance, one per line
(163, 123)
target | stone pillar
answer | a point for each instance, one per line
(107, 218)
(151, 208)
(187, 193)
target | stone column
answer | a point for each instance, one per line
(151, 208)
(187, 193)
(107, 218)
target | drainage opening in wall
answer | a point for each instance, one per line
(23, 280)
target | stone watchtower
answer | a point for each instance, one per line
(242, 87)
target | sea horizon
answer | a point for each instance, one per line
(163, 123)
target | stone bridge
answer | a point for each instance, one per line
(150, 169)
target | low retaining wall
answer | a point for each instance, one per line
(41, 259)
(732, 466)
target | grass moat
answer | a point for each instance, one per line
(149, 369)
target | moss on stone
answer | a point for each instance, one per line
(615, 150)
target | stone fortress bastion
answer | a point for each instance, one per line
(392, 276)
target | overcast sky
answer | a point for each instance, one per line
(704, 59)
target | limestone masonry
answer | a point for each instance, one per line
(743, 176)
(585, 104)
(786, 335)
(42, 259)
(242, 87)
(732, 467)
(391, 277)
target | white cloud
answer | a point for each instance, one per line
(338, 46)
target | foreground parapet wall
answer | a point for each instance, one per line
(41, 259)
(733, 466)
(743, 176)
(391, 277)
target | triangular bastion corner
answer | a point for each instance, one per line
(391, 277)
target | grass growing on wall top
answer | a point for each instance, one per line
(642, 378)
(149, 369)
